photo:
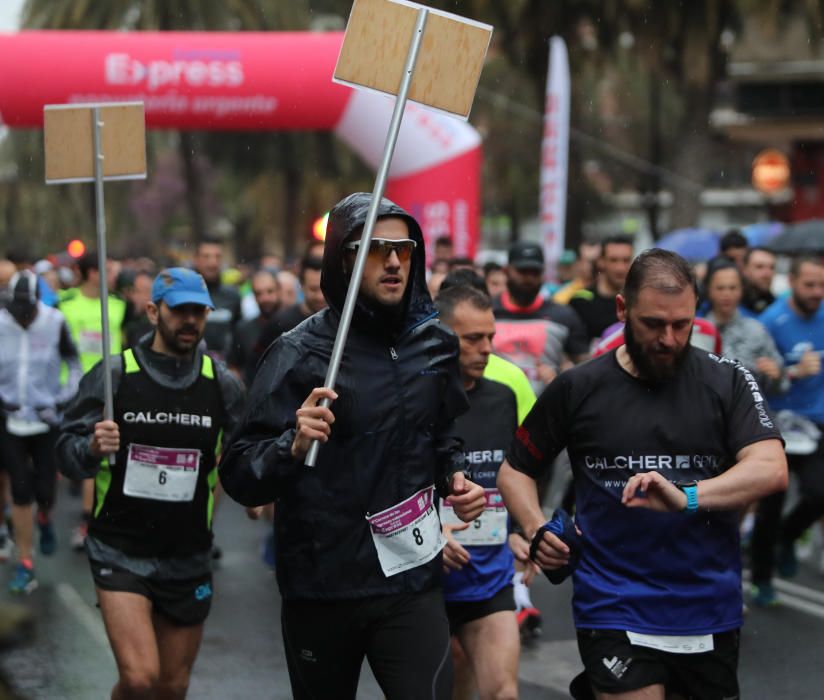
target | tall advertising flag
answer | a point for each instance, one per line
(554, 155)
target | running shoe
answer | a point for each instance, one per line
(23, 580)
(763, 595)
(78, 540)
(786, 562)
(48, 540)
(529, 622)
(6, 547)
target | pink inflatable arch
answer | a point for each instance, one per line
(251, 81)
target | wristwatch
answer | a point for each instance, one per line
(690, 489)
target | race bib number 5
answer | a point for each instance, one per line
(490, 528)
(161, 473)
(407, 534)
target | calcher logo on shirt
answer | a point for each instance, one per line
(655, 462)
(167, 418)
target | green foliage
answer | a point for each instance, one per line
(644, 75)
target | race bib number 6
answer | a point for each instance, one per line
(407, 534)
(161, 473)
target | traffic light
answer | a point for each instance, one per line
(319, 227)
(76, 248)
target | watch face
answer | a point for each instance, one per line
(685, 484)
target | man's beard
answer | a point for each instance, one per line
(268, 310)
(649, 368)
(171, 340)
(523, 294)
(805, 307)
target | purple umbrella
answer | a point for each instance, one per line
(694, 244)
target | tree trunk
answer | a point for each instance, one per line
(292, 183)
(693, 153)
(194, 187)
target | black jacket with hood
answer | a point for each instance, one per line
(399, 391)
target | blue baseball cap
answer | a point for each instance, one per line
(179, 285)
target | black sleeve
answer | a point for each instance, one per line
(234, 398)
(67, 347)
(449, 452)
(85, 409)
(748, 417)
(543, 434)
(577, 342)
(259, 454)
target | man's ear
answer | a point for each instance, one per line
(152, 312)
(621, 308)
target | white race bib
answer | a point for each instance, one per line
(161, 473)
(487, 529)
(684, 644)
(90, 341)
(407, 534)
(23, 428)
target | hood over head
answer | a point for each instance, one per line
(345, 218)
(23, 296)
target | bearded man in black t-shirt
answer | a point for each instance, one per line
(667, 443)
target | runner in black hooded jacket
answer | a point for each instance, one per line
(398, 393)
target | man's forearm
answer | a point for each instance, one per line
(520, 495)
(761, 470)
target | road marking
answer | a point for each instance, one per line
(798, 597)
(800, 591)
(83, 613)
(795, 603)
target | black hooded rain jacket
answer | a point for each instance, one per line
(399, 391)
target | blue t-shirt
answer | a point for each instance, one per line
(486, 429)
(794, 335)
(641, 570)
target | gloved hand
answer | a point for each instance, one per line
(563, 527)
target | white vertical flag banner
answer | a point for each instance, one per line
(554, 155)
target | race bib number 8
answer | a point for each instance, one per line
(407, 534)
(490, 528)
(161, 473)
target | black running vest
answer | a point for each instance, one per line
(160, 431)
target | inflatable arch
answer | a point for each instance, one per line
(251, 81)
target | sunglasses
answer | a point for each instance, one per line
(382, 248)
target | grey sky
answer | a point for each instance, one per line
(9, 14)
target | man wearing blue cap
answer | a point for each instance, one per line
(150, 532)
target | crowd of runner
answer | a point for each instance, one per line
(634, 386)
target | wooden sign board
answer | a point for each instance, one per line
(69, 142)
(449, 63)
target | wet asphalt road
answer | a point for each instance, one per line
(242, 654)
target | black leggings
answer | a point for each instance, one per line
(405, 638)
(31, 465)
(769, 529)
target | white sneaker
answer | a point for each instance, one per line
(78, 538)
(6, 547)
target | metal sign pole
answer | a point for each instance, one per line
(108, 409)
(371, 217)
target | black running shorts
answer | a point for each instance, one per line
(183, 602)
(461, 612)
(613, 665)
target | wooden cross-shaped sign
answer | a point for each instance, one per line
(412, 52)
(447, 71)
(69, 142)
